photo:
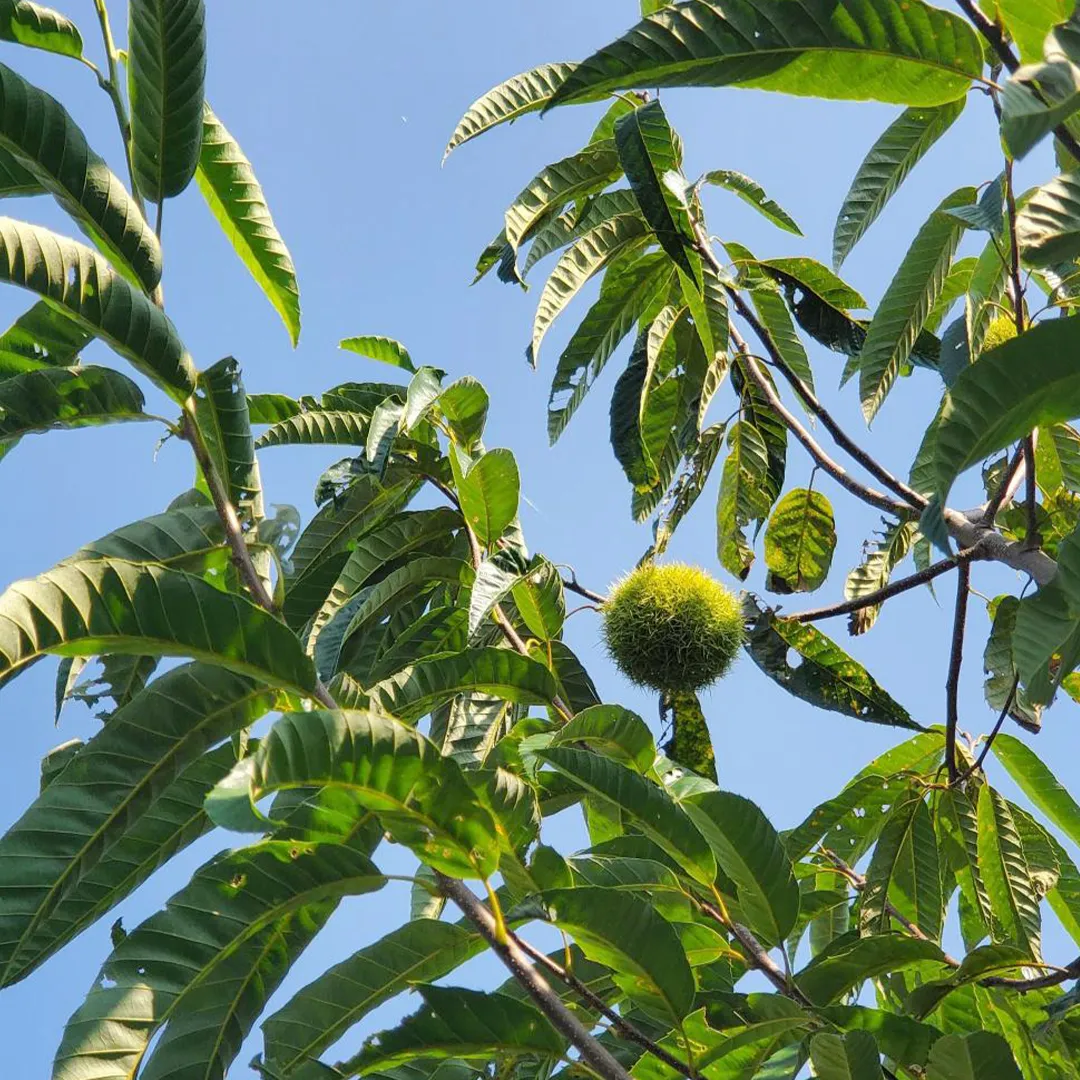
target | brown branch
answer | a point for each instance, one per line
(1032, 539)
(992, 32)
(517, 961)
(879, 596)
(821, 459)
(1009, 485)
(952, 684)
(621, 1025)
(573, 585)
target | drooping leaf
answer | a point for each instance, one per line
(503, 104)
(624, 932)
(234, 195)
(903, 145)
(588, 171)
(144, 749)
(657, 815)
(651, 158)
(166, 77)
(66, 398)
(876, 570)
(43, 138)
(99, 300)
(319, 1014)
(489, 491)
(799, 542)
(385, 766)
(227, 905)
(458, 1023)
(574, 223)
(1001, 688)
(112, 606)
(743, 496)
(907, 302)
(541, 600)
(825, 676)
(585, 258)
(415, 690)
(1039, 784)
(1012, 895)
(853, 50)
(39, 27)
(750, 191)
(1029, 21)
(385, 350)
(620, 733)
(749, 851)
(1048, 226)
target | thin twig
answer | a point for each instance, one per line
(825, 463)
(623, 1026)
(879, 596)
(952, 684)
(981, 759)
(517, 961)
(573, 585)
(1010, 483)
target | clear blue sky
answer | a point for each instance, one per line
(345, 116)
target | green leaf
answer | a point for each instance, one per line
(1013, 899)
(324, 1010)
(541, 600)
(876, 570)
(575, 223)
(98, 300)
(826, 676)
(750, 191)
(67, 398)
(854, 1056)
(743, 497)
(505, 103)
(222, 414)
(385, 350)
(1039, 784)
(144, 749)
(654, 811)
(43, 337)
(416, 690)
(957, 808)
(585, 258)
(154, 974)
(384, 545)
(425, 389)
(166, 76)
(981, 1056)
(39, 27)
(464, 406)
(851, 960)
(650, 156)
(799, 542)
(908, 301)
(588, 171)
(616, 731)
(489, 491)
(748, 850)
(386, 767)
(1029, 22)
(904, 868)
(624, 932)
(111, 606)
(234, 195)
(903, 145)
(853, 50)
(43, 138)
(628, 289)
(458, 1023)
(172, 538)
(1048, 226)
(495, 578)
(1029, 382)
(320, 427)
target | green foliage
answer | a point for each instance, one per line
(397, 672)
(673, 628)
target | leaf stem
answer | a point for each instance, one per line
(952, 684)
(1006, 709)
(517, 961)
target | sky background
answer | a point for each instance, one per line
(345, 117)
